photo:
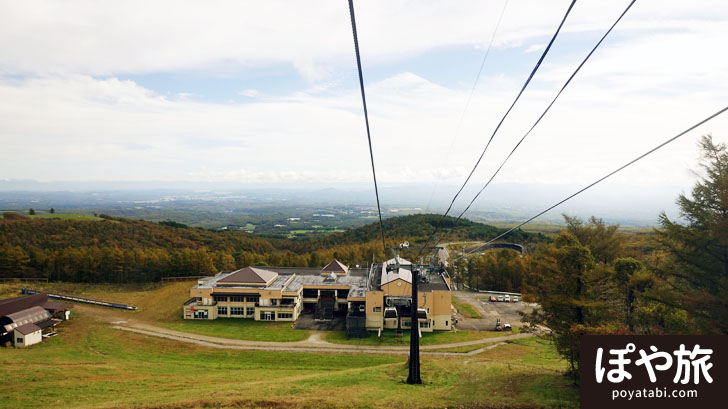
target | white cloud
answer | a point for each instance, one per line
(250, 93)
(114, 38)
(534, 48)
(661, 71)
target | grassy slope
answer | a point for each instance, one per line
(169, 314)
(428, 338)
(465, 308)
(241, 328)
(148, 297)
(91, 365)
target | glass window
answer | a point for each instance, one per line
(237, 311)
(250, 312)
(220, 298)
(376, 309)
(254, 299)
(221, 310)
(237, 298)
(285, 315)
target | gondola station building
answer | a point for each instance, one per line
(375, 298)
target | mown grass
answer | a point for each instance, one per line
(161, 304)
(90, 365)
(389, 337)
(467, 310)
(241, 328)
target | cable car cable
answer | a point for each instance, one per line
(366, 117)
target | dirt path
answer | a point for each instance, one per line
(315, 343)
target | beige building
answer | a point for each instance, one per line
(372, 299)
(27, 335)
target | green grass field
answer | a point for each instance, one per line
(240, 328)
(90, 365)
(389, 337)
(467, 310)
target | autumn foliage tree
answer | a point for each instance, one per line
(559, 280)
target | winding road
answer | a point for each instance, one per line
(314, 343)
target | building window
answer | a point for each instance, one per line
(376, 309)
(254, 299)
(273, 301)
(250, 312)
(405, 323)
(424, 324)
(220, 298)
(19, 341)
(237, 298)
(446, 323)
(267, 316)
(428, 310)
(284, 315)
(237, 310)
(221, 310)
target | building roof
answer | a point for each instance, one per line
(401, 274)
(250, 275)
(13, 305)
(28, 316)
(27, 329)
(57, 306)
(308, 271)
(45, 323)
(354, 282)
(336, 267)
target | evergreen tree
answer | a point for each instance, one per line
(697, 269)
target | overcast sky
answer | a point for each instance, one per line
(266, 91)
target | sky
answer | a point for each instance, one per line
(266, 93)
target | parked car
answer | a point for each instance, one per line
(500, 298)
(507, 327)
(515, 298)
(498, 326)
(492, 298)
(508, 298)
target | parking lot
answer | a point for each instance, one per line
(508, 312)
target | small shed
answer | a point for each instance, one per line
(26, 335)
(58, 309)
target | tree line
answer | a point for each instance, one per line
(123, 250)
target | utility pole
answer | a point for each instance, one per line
(414, 357)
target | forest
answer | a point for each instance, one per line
(120, 250)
